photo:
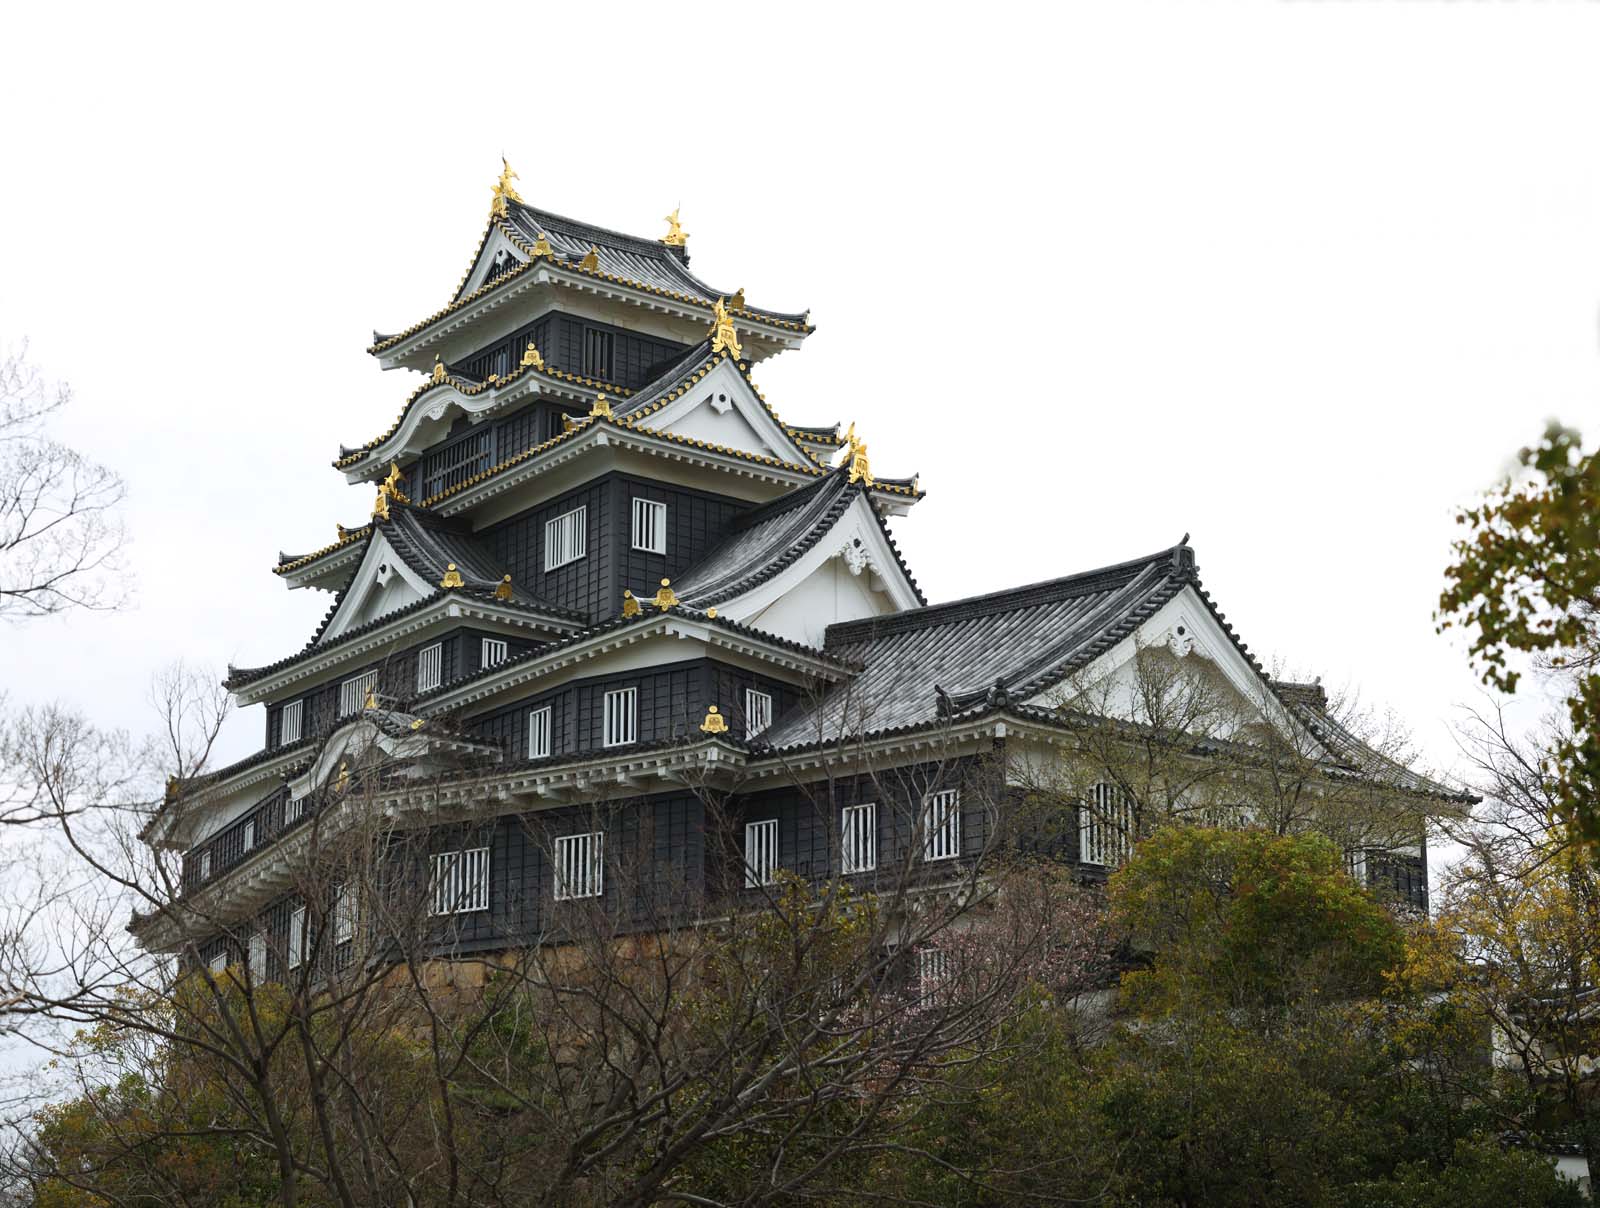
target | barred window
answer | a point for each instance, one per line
(218, 964)
(344, 915)
(650, 526)
(757, 712)
(622, 717)
(353, 692)
(289, 722)
(580, 866)
(539, 733)
(941, 826)
(858, 838)
(293, 810)
(760, 852)
(430, 667)
(205, 864)
(494, 651)
(249, 834)
(933, 969)
(258, 954)
(597, 349)
(566, 538)
(1105, 826)
(297, 937)
(461, 881)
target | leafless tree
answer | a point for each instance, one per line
(59, 534)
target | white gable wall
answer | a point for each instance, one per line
(382, 584)
(722, 408)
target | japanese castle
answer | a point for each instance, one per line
(603, 582)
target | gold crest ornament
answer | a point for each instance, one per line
(601, 408)
(388, 489)
(630, 604)
(714, 723)
(591, 260)
(438, 368)
(452, 577)
(503, 592)
(676, 236)
(723, 334)
(541, 246)
(666, 597)
(504, 191)
(342, 781)
(531, 358)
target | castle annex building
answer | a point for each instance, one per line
(602, 572)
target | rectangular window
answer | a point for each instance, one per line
(933, 968)
(580, 866)
(650, 526)
(344, 915)
(622, 717)
(760, 852)
(597, 347)
(494, 651)
(461, 881)
(353, 692)
(858, 839)
(539, 733)
(205, 865)
(430, 667)
(941, 826)
(757, 712)
(218, 964)
(289, 722)
(1105, 824)
(566, 538)
(249, 834)
(294, 809)
(258, 955)
(297, 937)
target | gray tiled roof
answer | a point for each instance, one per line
(644, 260)
(1023, 640)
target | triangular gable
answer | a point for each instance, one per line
(382, 584)
(497, 256)
(1186, 628)
(722, 408)
(850, 573)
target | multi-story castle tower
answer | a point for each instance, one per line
(601, 572)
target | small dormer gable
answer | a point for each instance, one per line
(497, 257)
(721, 407)
(382, 584)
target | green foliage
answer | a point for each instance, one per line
(1526, 581)
(1480, 1174)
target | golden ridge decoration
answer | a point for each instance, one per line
(418, 724)
(723, 334)
(531, 358)
(438, 368)
(711, 613)
(666, 597)
(342, 780)
(503, 591)
(714, 723)
(676, 236)
(860, 467)
(541, 246)
(504, 191)
(452, 577)
(630, 604)
(388, 489)
(601, 408)
(591, 260)
(737, 301)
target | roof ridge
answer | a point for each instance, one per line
(1065, 587)
(640, 243)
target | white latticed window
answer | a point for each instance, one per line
(344, 915)
(580, 866)
(1105, 825)
(218, 964)
(566, 538)
(258, 954)
(622, 717)
(289, 722)
(353, 692)
(941, 822)
(297, 937)
(760, 852)
(461, 881)
(249, 834)
(858, 839)
(650, 526)
(494, 651)
(1355, 863)
(293, 810)
(539, 733)
(205, 865)
(933, 969)
(430, 667)
(757, 712)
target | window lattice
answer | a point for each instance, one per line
(580, 866)
(941, 835)
(650, 526)
(297, 937)
(858, 838)
(430, 667)
(353, 692)
(1105, 826)
(757, 712)
(760, 852)
(566, 538)
(461, 881)
(539, 733)
(622, 717)
(289, 722)
(258, 955)
(494, 651)
(598, 347)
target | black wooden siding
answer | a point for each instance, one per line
(635, 358)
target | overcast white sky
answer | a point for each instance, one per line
(1295, 278)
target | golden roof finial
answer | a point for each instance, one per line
(666, 597)
(723, 334)
(714, 723)
(591, 259)
(860, 467)
(504, 191)
(342, 780)
(541, 246)
(737, 301)
(503, 591)
(676, 236)
(601, 407)
(452, 577)
(711, 613)
(438, 368)
(388, 489)
(341, 530)
(531, 358)
(630, 604)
